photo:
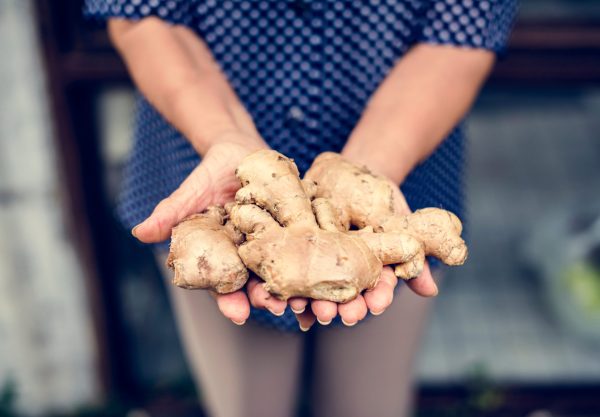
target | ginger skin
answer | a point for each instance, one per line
(361, 198)
(203, 253)
(296, 255)
(295, 234)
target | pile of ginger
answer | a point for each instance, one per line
(324, 237)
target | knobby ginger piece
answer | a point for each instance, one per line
(203, 253)
(361, 198)
(295, 245)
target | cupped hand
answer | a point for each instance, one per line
(375, 301)
(213, 181)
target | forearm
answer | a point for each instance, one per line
(176, 72)
(424, 96)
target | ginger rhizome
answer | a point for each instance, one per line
(291, 244)
(204, 254)
(295, 234)
(363, 199)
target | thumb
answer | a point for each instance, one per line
(189, 198)
(424, 285)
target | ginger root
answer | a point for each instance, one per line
(295, 234)
(361, 198)
(296, 255)
(203, 253)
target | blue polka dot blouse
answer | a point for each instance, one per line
(304, 69)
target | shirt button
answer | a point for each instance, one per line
(296, 113)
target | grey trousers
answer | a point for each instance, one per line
(252, 371)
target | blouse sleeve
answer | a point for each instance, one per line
(173, 11)
(469, 23)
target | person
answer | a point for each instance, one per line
(385, 82)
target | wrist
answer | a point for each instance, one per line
(252, 142)
(390, 158)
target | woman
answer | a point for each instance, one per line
(386, 83)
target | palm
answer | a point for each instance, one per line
(213, 181)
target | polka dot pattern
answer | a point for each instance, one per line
(304, 69)
(471, 23)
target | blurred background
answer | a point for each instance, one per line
(85, 326)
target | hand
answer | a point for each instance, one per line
(213, 181)
(376, 300)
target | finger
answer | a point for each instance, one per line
(424, 285)
(324, 310)
(306, 319)
(261, 298)
(189, 198)
(298, 305)
(353, 311)
(380, 297)
(234, 306)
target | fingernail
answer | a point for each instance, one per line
(276, 314)
(134, 229)
(239, 323)
(324, 323)
(348, 324)
(377, 313)
(299, 311)
(304, 329)
(437, 291)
